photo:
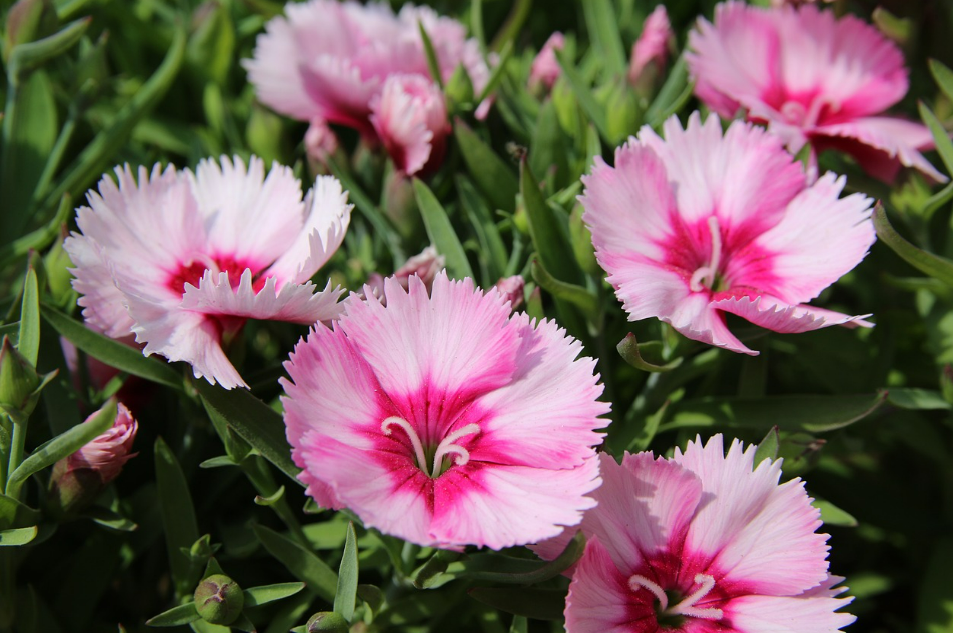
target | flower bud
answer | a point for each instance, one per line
(219, 599)
(410, 117)
(79, 478)
(425, 265)
(18, 379)
(512, 290)
(459, 89)
(57, 264)
(545, 69)
(320, 143)
(650, 53)
(623, 115)
(327, 621)
(27, 21)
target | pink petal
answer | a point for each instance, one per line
(880, 144)
(458, 341)
(770, 614)
(820, 238)
(652, 45)
(104, 307)
(772, 314)
(599, 597)
(294, 303)
(545, 69)
(410, 117)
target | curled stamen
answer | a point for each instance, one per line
(447, 446)
(414, 439)
(705, 276)
(637, 582)
(687, 606)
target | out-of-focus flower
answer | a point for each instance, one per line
(410, 117)
(812, 78)
(181, 260)
(778, 3)
(443, 420)
(78, 478)
(701, 542)
(512, 289)
(330, 59)
(320, 142)
(650, 52)
(425, 265)
(545, 69)
(701, 223)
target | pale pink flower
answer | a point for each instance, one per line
(701, 223)
(701, 542)
(653, 45)
(320, 142)
(443, 420)
(512, 289)
(812, 78)
(330, 59)
(778, 3)
(410, 117)
(545, 69)
(424, 265)
(182, 259)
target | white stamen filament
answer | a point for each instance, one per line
(445, 447)
(704, 277)
(686, 606)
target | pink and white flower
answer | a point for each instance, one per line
(443, 420)
(701, 542)
(652, 47)
(700, 224)
(812, 78)
(320, 143)
(545, 69)
(410, 117)
(331, 59)
(181, 259)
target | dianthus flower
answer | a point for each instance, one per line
(701, 542)
(444, 421)
(812, 78)
(181, 260)
(652, 48)
(545, 69)
(332, 59)
(701, 223)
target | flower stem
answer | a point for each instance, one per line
(17, 449)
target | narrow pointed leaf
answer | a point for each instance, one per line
(583, 94)
(832, 515)
(433, 64)
(603, 27)
(113, 353)
(768, 447)
(943, 76)
(29, 335)
(634, 353)
(491, 567)
(17, 536)
(675, 92)
(176, 616)
(178, 516)
(441, 232)
(530, 602)
(576, 295)
(30, 55)
(519, 625)
(303, 563)
(917, 399)
(257, 596)
(270, 499)
(494, 177)
(550, 241)
(944, 146)
(937, 267)
(41, 237)
(511, 27)
(491, 243)
(496, 74)
(346, 595)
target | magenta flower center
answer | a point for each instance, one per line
(431, 459)
(706, 276)
(686, 607)
(191, 271)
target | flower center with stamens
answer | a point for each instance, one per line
(433, 461)
(707, 276)
(672, 616)
(191, 271)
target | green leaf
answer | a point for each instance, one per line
(218, 462)
(944, 146)
(547, 151)
(61, 446)
(583, 94)
(256, 422)
(301, 562)
(491, 244)
(270, 499)
(17, 536)
(109, 351)
(768, 447)
(634, 353)
(603, 26)
(832, 515)
(433, 64)
(917, 399)
(14, 513)
(577, 295)
(675, 92)
(493, 567)
(257, 596)
(519, 625)
(943, 76)
(937, 267)
(511, 27)
(496, 74)
(811, 413)
(346, 595)
(176, 616)
(441, 232)
(551, 242)
(31, 55)
(935, 600)
(29, 336)
(178, 516)
(41, 237)
(494, 177)
(529, 602)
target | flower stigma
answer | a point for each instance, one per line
(706, 276)
(446, 448)
(685, 607)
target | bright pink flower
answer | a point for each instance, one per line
(653, 45)
(330, 59)
(444, 421)
(181, 259)
(701, 542)
(700, 224)
(813, 78)
(410, 117)
(545, 69)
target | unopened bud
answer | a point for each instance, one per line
(623, 114)
(327, 621)
(57, 264)
(18, 379)
(512, 290)
(219, 599)
(546, 69)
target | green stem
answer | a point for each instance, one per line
(5, 437)
(260, 477)
(7, 588)
(17, 449)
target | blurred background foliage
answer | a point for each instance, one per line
(863, 415)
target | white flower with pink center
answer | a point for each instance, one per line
(443, 420)
(702, 542)
(811, 77)
(703, 223)
(182, 259)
